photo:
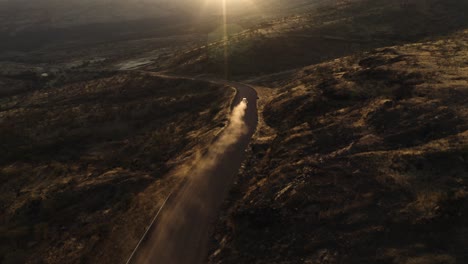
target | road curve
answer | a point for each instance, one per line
(181, 232)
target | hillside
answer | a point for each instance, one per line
(318, 31)
(362, 159)
(85, 166)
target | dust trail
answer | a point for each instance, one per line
(183, 229)
(235, 129)
(202, 163)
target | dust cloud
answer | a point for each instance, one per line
(235, 129)
(182, 229)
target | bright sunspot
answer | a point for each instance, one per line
(227, 8)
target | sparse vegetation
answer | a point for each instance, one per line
(81, 161)
(366, 163)
(361, 153)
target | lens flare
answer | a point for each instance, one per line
(228, 9)
(225, 40)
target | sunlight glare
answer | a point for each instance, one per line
(228, 9)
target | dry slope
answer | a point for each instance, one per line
(82, 166)
(369, 163)
(324, 30)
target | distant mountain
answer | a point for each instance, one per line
(23, 14)
(29, 25)
(19, 15)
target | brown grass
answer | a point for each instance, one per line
(368, 164)
(84, 166)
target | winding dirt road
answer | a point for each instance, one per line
(181, 231)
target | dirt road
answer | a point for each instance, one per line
(181, 232)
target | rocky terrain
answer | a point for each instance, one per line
(365, 161)
(85, 166)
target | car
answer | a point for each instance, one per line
(244, 100)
